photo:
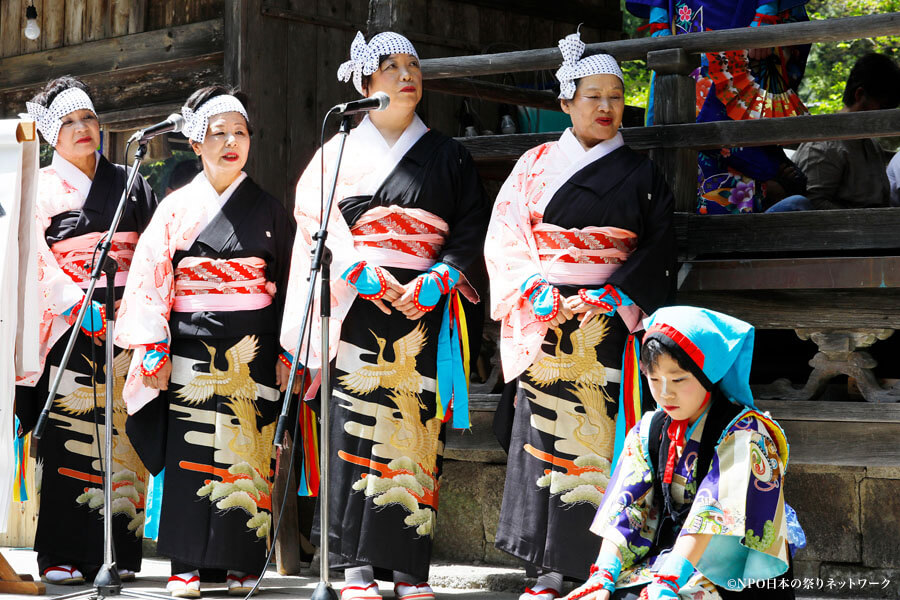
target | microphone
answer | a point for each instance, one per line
(173, 123)
(377, 101)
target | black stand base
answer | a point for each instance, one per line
(324, 591)
(107, 582)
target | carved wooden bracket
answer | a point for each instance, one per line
(839, 354)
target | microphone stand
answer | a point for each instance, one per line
(107, 582)
(321, 260)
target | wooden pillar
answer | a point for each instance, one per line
(675, 102)
(383, 15)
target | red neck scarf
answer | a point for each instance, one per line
(677, 442)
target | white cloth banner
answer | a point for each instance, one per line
(18, 286)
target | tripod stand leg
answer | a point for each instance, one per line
(13, 583)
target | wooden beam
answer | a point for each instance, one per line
(332, 23)
(830, 30)
(136, 118)
(835, 232)
(170, 82)
(813, 309)
(495, 92)
(567, 11)
(113, 54)
(791, 273)
(755, 132)
(854, 412)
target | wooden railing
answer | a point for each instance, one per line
(830, 275)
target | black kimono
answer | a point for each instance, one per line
(581, 220)
(224, 281)
(69, 472)
(386, 434)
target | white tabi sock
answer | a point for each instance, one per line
(548, 581)
(359, 576)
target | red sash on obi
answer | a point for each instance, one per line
(408, 238)
(585, 257)
(221, 285)
(74, 256)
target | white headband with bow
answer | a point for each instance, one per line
(574, 67)
(196, 122)
(364, 57)
(49, 118)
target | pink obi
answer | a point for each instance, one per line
(221, 285)
(392, 236)
(585, 257)
(74, 256)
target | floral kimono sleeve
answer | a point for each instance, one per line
(143, 315)
(740, 503)
(627, 517)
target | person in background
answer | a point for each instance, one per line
(737, 85)
(77, 196)
(182, 174)
(850, 173)
(893, 174)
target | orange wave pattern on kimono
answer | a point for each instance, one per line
(519, 244)
(143, 316)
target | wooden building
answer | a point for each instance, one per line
(142, 58)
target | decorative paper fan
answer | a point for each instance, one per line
(754, 89)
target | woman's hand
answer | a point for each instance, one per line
(600, 594)
(394, 291)
(562, 315)
(405, 304)
(283, 375)
(581, 308)
(160, 381)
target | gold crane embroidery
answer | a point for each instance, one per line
(580, 365)
(235, 382)
(399, 375)
(81, 400)
(593, 398)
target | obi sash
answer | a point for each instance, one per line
(221, 285)
(74, 256)
(582, 256)
(412, 238)
(392, 236)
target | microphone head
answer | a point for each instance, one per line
(383, 100)
(177, 122)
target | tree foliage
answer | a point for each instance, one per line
(828, 66)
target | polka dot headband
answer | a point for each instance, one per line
(364, 57)
(196, 122)
(574, 67)
(49, 118)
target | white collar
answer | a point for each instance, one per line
(576, 158)
(367, 133)
(210, 194)
(73, 175)
(573, 149)
(381, 158)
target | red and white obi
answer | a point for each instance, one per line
(221, 285)
(74, 256)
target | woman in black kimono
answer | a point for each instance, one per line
(579, 246)
(407, 236)
(202, 313)
(76, 198)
